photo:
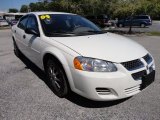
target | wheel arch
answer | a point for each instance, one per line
(59, 57)
(143, 22)
(56, 55)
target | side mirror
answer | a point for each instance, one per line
(32, 31)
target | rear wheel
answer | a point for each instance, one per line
(16, 50)
(57, 78)
(142, 25)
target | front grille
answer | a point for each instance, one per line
(132, 90)
(148, 58)
(139, 75)
(103, 91)
(133, 65)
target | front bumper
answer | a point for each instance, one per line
(107, 86)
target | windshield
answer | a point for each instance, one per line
(67, 24)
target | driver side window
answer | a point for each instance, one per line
(23, 22)
(32, 23)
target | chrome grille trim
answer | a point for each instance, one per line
(132, 90)
(137, 64)
(148, 59)
(133, 65)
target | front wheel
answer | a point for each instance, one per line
(57, 78)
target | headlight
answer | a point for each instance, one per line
(93, 65)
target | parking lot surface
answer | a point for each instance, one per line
(25, 94)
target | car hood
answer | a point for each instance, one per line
(108, 46)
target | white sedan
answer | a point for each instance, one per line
(76, 55)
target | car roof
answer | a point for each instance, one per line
(46, 12)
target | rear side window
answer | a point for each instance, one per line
(23, 22)
(141, 17)
(90, 17)
(145, 17)
(100, 17)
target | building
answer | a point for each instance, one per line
(10, 16)
(1, 15)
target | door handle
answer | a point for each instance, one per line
(24, 36)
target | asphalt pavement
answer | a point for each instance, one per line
(25, 94)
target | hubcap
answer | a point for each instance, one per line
(56, 77)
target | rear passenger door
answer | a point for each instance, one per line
(127, 21)
(19, 34)
(136, 21)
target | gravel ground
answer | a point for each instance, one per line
(25, 95)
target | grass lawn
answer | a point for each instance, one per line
(6, 27)
(154, 33)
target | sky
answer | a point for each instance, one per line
(6, 4)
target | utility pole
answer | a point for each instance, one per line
(29, 9)
(130, 26)
(67, 5)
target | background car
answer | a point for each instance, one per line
(13, 22)
(141, 20)
(100, 20)
(3, 22)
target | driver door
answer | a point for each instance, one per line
(33, 41)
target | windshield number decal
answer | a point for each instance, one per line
(43, 17)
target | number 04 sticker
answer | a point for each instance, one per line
(45, 17)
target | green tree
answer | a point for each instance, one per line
(24, 9)
(33, 6)
(113, 8)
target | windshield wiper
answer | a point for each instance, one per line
(61, 34)
(93, 31)
(89, 32)
(65, 34)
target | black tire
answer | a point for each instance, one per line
(120, 25)
(16, 49)
(142, 25)
(57, 78)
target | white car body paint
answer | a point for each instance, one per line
(108, 46)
